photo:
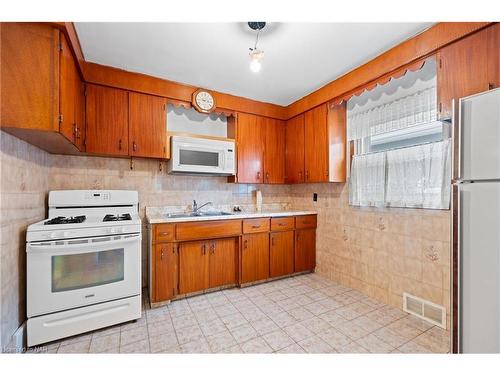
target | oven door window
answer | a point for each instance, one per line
(77, 271)
(202, 158)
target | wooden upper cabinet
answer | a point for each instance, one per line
(274, 151)
(462, 70)
(316, 144)
(494, 55)
(80, 123)
(294, 154)
(30, 76)
(147, 126)
(68, 83)
(107, 121)
(165, 264)
(250, 149)
(337, 123)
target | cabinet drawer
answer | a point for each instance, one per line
(164, 232)
(256, 225)
(208, 229)
(282, 223)
(306, 221)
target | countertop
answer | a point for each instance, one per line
(158, 218)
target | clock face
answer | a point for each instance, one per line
(205, 101)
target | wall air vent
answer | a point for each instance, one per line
(425, 310)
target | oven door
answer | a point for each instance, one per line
(73, 273)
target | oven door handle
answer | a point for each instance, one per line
(38, 249)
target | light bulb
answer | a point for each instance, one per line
(255, 66)
(255, 57)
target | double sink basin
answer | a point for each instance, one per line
(177, 215)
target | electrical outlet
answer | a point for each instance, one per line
(315, 197)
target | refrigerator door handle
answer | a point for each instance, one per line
(456, 128)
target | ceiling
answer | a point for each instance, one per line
(299, 57)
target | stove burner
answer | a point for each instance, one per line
(122, 217)
(66, 220)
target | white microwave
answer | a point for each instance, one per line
(189, 155)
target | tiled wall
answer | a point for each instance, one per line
(23, 190)
(382, 252)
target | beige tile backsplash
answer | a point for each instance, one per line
(382, 252)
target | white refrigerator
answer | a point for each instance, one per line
(476, 229)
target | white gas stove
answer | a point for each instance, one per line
(83, 264)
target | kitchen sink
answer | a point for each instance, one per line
(179, 215)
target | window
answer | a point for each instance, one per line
(402, 153)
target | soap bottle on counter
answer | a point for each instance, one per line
(258, 200)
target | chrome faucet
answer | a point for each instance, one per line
(197, 209)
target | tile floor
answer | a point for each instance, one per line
(303, 314)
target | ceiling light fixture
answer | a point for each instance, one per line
(255, 54)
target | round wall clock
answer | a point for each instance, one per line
(203, 101)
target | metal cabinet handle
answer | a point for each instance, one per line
(258, 175)
(134, 146)
(161, 255)
(164, 233)
(272, 241)
(256, 226)
(120, 144)
(203, 249)
(245, 244)
(212, 248)
(267, 176)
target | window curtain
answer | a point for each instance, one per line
(418, 177)
(367, 182)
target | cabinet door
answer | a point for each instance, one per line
(147, 126)
(336, 121)
(193, 266)
(494, 56)
(80, 116)
(30, 76)
(274, 151)
(223, 262)
(462, 70)
(250, 149)
(281, 253)
(107, 121)
(305, 250)
(165, 261)
(294, 154)
(316, 145)
(255, 257)
(68, 91)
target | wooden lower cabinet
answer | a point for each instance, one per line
(281, 253)
(193, 266)
(254, 257)
(223, 262)
(305, 249)
(207, 264)
(165, 265)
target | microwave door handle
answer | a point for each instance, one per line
(64, 248)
